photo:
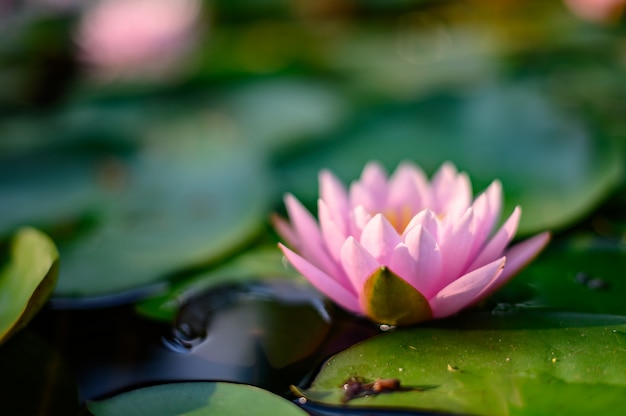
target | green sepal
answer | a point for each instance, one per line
(388, 299)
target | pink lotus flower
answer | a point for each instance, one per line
(401, 250)
(137, 38)
(599, 11)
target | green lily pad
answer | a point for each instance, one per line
(196, 399)
(166, 192)
(482, 364)
(26, 279)
(68, 182)
(308, 108)
(186, 202)
(549, 162)
(580, 276)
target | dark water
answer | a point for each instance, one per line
(270, 335)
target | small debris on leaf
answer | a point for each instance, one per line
(597, 284)
(593, 283)
(453, 369)
(356, 387)
(582, 278)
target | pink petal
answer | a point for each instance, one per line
(426, 219)
(371, 190)
(442, 182)
(408, 190)
(486, 212)
(374, 177)
(444, 175)
(310, 242)
(361, 195)
(403, 264)
(332, 234)
(303, 222)
(455, 249)
(495, 247)
(452, 191)
(465, 290)
(357, 263)
(460, 196)
(380, 238)
(285, 231)
(359, 218)
(523, 253)
(418, 261)
(516, 258)
(345, 296)
(334, 195)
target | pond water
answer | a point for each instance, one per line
(270, 335)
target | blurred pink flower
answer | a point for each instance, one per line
(401, 250)
(600, 11)
(137, 38)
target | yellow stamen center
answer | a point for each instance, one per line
(399, 218)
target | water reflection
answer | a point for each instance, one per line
(270, 335)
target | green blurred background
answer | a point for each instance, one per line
(151, 138)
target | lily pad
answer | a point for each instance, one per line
(186, 202)
(308, 108)
(549, 162)
(67, 182)
(581, 276)
(196, 399)
(482, 364)
(166, 192)
(26, 279)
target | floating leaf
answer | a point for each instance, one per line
(524, 364)
(307, 108)
(125, 212)
(187, 202)
(68, 184)
(196, 399)
(27, 279)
